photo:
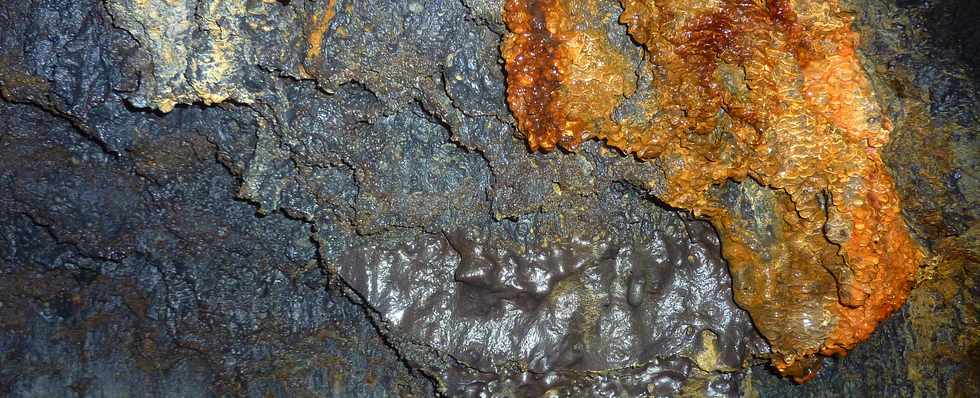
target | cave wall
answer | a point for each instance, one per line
(330, 198)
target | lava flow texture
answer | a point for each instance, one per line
(764, 122)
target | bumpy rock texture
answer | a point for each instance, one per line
(771, 95)
(653, 300)
(335, 198)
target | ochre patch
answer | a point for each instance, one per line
(563, 78)
(319, 24)
(770, 94)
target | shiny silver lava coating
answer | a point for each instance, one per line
(583, 316)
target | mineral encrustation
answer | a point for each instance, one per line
(764, 121)
(334, 198)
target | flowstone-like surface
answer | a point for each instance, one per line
(770, 95)
(524, 318)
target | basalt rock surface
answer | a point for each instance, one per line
(649, 308)
(337, 198)
(762, 120)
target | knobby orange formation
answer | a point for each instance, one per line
(562, 75)
(768, 94)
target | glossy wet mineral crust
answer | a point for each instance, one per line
(651, 307)
(763, 120)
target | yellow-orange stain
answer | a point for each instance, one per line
(769, 93)
(320, 23)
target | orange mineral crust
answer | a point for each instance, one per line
(763, 121)
(563, 77)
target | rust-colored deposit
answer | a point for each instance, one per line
(769, 94)
(318, 26)
(563, 78)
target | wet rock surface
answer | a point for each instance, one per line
(763, 121)
(502, 307)
(329, 198)
(929, 347)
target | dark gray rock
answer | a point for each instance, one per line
(327, 198)
(505, 305)
(143, 276)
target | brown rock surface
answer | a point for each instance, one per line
(564, 78)
(770, 95)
